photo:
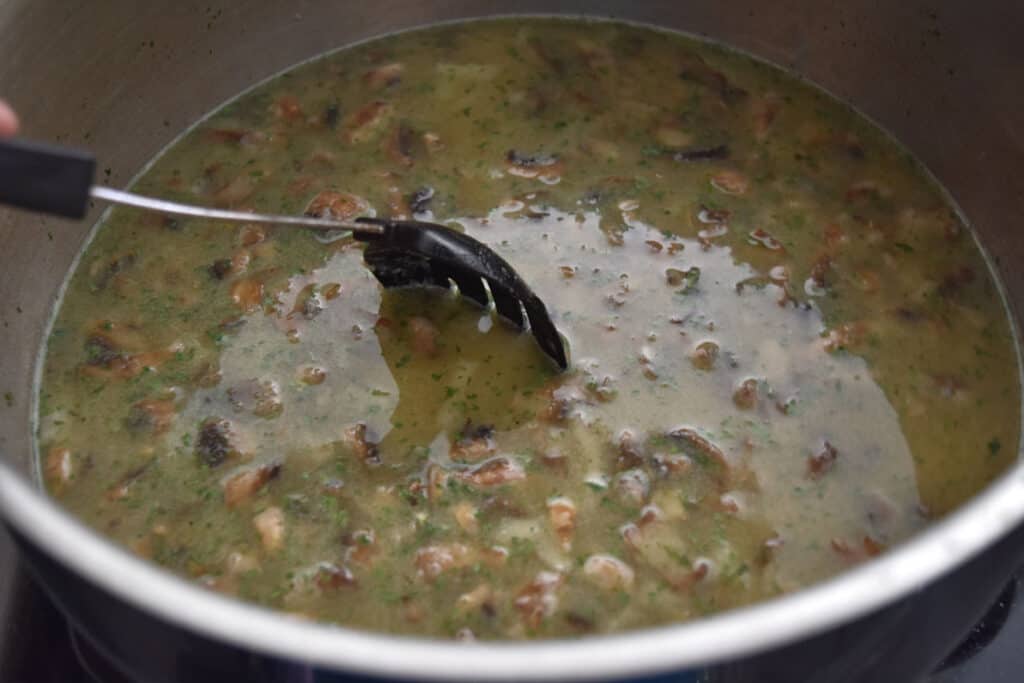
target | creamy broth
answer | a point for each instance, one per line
(788, 352)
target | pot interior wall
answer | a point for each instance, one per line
(124, 78)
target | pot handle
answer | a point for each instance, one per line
(46, 178)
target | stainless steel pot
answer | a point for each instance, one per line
(123, 78)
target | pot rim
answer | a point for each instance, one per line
(925, 557)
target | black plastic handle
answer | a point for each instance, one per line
(45, 178)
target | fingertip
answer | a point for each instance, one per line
(8, 120)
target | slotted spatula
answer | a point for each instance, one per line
(59, 181)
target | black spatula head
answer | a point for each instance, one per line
(411, 253)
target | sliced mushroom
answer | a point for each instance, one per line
(59, 467)
(270, 525)
(433, 560)
(494, 472)
(243, 485)
(152, 416)
(608, 572)
(366, 122)
(359, 442)
(475, 443)
(562, 517)
(215, 442)
(538, 599)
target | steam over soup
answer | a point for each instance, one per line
(788, 352)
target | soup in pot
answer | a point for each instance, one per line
(788, 351)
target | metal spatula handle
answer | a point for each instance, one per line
(128, 199)
(59, 181)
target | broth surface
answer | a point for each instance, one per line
(788, 353)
